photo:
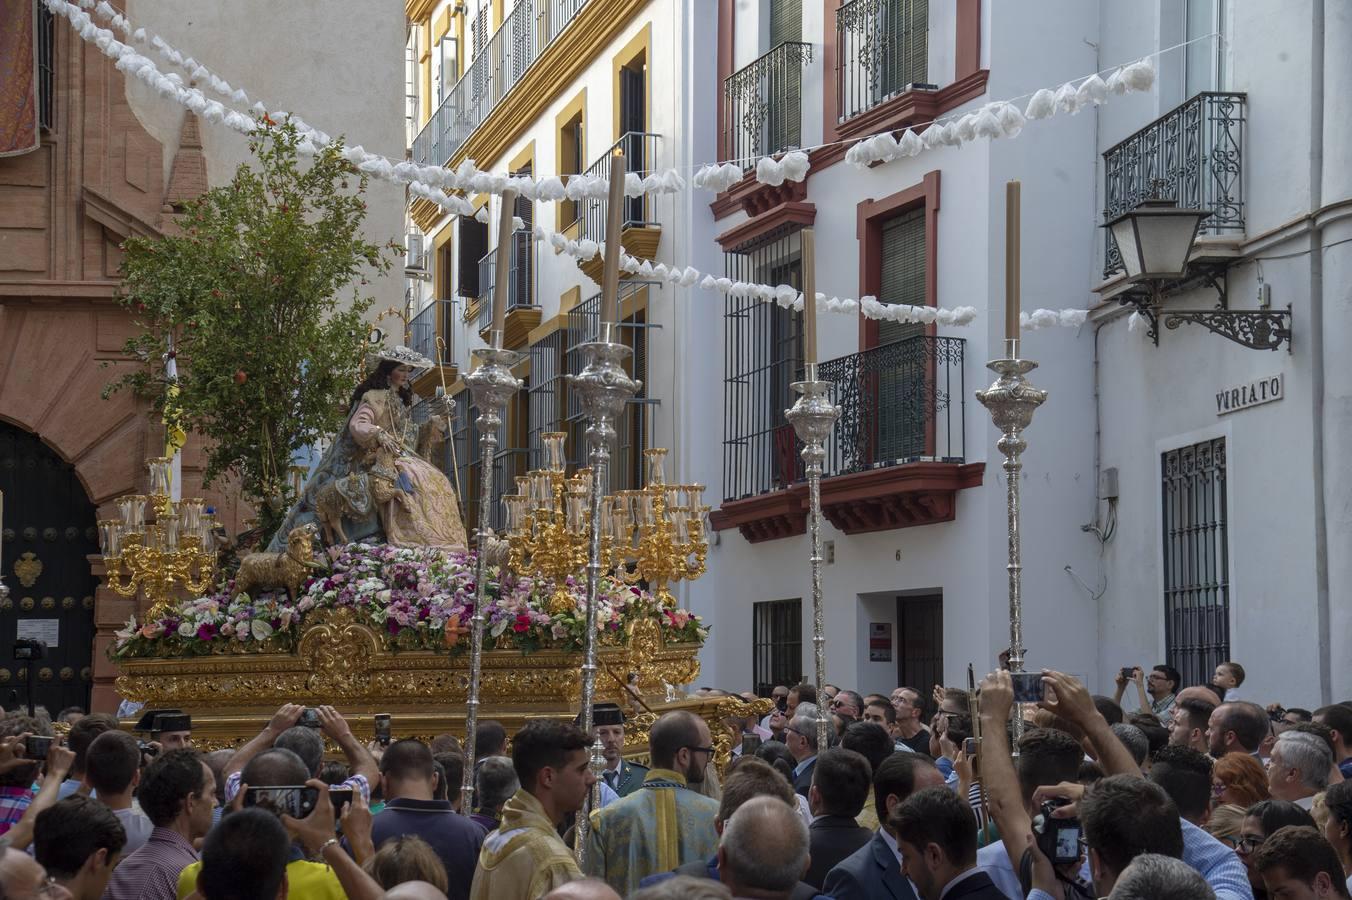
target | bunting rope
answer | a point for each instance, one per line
(998, 119)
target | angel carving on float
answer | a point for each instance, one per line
(375, 483)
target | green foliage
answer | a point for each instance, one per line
(251, 295)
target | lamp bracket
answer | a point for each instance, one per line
(1256, 329)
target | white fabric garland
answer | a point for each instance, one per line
(432, 182)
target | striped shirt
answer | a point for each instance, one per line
(151, 873)
(13, 802)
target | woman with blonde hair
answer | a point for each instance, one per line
(1224, 823)
(1239, 779)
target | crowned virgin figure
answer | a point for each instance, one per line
(374, 482)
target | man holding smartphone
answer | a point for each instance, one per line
(332, 724)
(1155, 692)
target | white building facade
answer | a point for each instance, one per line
(915, 585)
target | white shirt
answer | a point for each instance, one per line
(137, 825)
(891, 843)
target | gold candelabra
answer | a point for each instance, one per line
(547, 522)
(659, 529)
(157, 557)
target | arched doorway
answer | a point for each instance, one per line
(50, 528)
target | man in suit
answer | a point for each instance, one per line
(620, 775)
(873, 872)
(800, 736)
(840, 782)
(936, 833)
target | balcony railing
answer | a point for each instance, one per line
(432, 323)
(1196, 150)
(900, 403)
(520, 271)
(640, 152)
(530, 27)
(763, 105)
(881, 47)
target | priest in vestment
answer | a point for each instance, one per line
(525, 858)
(665, 823)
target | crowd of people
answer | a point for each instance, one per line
(1190, 792)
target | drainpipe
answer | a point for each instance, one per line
(1316, 332)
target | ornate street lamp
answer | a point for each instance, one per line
(1156, 240)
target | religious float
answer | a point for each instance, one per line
(383, 623)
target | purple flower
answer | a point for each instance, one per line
(206, 631)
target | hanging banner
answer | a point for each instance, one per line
(18, 77)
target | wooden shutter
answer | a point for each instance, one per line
(473, 246)
(903, 271)
(786, 21)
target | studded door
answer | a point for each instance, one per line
(49, 530)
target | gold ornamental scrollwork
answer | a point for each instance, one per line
(29, 568)
(338, 654)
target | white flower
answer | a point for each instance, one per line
(261, 630)
(186, 629)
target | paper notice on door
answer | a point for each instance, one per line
(46, 630)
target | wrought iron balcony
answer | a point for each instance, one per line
(428, 325)
(520, 271)
(895, 458)
(763, 103)
(1196, 151)
(529, 28)
(640, 152)
(900, 403)
(881, 47)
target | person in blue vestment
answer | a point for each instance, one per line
(665, 823)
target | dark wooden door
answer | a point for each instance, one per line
(920, 640)
(50, 528)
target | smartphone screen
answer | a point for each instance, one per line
(969, 747)
(383, 729)
(297, 801)
(750, 743)
(1028, 686)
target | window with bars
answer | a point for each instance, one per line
(1196, 560)
(634, 424)
(901, 423)
(763, 356)
(777, 644)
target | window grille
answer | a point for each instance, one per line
(1196, 560)
(777, 648)
(46, 68)
(763, 356)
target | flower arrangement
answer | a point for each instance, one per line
(418, 598)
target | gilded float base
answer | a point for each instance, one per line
(342, 662)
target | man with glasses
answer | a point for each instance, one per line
(847, 703)
(910, 710)
(24, 878)
(664, 824)
(1155, 692)
(800, 736)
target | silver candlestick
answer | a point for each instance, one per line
(812, 416)
(602, 389)
(1011, 401)
(491, 385)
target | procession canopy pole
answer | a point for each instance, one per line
(812, 416)
(492, 385)
(603, 388)
(1011, 401)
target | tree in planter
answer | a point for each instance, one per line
(248, 300)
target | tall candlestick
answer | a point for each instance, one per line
(809, 302)
(1012, 302)
(502, 268)
(610, 274)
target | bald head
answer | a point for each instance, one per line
(414, 890)
(584, 889)
(764, 848)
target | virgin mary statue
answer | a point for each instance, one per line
(374, 482)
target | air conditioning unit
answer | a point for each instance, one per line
(415, 264)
